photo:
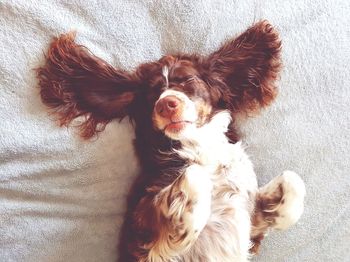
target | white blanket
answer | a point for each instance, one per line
(62, 199)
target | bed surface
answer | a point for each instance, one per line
(62, 198)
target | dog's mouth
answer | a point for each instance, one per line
(177, 126)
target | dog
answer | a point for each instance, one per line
(197, 197)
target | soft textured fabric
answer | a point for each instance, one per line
(62, 198)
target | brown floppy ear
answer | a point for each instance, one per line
(246, 68)
(76, 83)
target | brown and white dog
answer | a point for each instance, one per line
(197, 197)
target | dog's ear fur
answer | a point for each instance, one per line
(74, 83)
(246, 68)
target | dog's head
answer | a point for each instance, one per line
(173, 95)
(179, 97)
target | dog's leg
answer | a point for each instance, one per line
(279, 205)
(185, 206)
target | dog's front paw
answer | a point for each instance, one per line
(188, 200)
(292, 203)
(198, 186)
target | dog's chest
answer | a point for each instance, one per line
(234, 180)
(227, 164)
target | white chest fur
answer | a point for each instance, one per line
(209, 148)
(224, 168)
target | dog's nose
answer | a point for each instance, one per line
(167, 106)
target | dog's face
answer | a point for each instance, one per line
(180, 98)
(174, 95)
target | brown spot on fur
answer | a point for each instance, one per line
(183, 236)
(189, 203)
(256, 244)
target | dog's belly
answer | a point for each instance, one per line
(226, 236)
